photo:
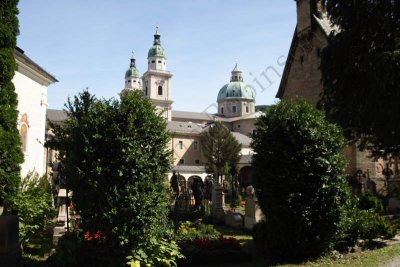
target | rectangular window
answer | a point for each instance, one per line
(195, 145)
(180, 144)
(238, 126)
(247, 109)
(234, 109)
(182, 161)
(197, 161)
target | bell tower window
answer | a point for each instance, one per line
(160, 90)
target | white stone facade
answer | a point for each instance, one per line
(31, 83)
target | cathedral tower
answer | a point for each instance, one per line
(132, 77)
(157, 80)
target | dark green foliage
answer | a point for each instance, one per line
(34, 207)
(298, 175)
(361, 72)
(10, 148)
(356, 224)
(221, 150)
(115, 157)
(370, 202)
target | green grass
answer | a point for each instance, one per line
(366, 258)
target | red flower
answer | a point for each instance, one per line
(88, 237)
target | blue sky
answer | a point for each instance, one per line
(89, 44)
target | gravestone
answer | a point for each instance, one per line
(61, 225)
(10, 249)
(253, 213)
(218, 213)
(234, 219)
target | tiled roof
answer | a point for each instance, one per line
(189, 169)
(21, 56)
(56, 115)
(184, 127)
(187, 115)
(242, 139)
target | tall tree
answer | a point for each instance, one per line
(221, 149)
(115, 157)
(361, 72)
(10, 147)
(298, 172)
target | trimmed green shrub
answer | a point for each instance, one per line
(115, 158)
(298, 171)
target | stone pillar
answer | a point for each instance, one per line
(10, 249)
(218, 213)
(253, 212)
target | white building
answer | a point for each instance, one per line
(31, 82)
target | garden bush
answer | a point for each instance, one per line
(360, 224)
(298, 170)
(115, 158)
(34, 207)
(191, 231)
(370, 202)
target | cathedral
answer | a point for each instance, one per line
(236, 110)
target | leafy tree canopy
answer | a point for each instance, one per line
(10, 148)
(115, 158)
(221, 150)
(361, 72)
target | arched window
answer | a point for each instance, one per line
(160, 90)
(23, 132)
(222, 110)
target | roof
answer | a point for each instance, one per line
(184, 127)
(56, 115)
(132, 72)
(325, 25)
(242, 139)
(245, 159)
(20, 56)
(156, 51)
(189, 169)
(176, 114)
(236, 90)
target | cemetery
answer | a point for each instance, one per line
(311, 180)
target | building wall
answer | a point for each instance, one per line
(225, 108)
(245, 127)
(304, 77)
(32, 101)
(187, 150)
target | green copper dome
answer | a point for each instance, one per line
(156, 51)
(235, 90)
(132, 71)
